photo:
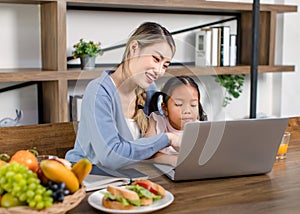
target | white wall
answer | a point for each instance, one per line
(290, 104)
(20, 47)
(21, 32)
(112, 28)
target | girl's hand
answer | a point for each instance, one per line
(175, 140)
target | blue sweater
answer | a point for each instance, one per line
(103, 135)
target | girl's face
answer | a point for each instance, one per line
(182, 107)
(150, 63)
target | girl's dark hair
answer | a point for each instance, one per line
(167, 90)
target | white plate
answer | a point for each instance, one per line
(95, 200)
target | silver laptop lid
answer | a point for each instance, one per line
(213, 149)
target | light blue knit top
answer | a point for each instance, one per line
(103, 135)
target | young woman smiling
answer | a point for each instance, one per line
(114, 107)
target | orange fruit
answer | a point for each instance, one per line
(26, 158)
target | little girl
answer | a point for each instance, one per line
(180, 104)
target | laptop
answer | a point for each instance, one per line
(215, 149)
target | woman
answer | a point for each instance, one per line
(113, 110)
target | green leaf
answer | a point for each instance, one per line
(142, 192)
(232, 85)
(82, 49)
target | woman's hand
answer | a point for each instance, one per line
(175, 140)
(165, 159)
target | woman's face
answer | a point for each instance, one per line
(148, 64)
(182, 107)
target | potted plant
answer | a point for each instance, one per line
(233, 86)
(87, 52)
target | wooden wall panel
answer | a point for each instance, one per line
(53, 30)
(55, 101)
(52, 139)
(266, 38)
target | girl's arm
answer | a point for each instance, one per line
(157, 125)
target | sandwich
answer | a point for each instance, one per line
(120, 198)
(147, 191)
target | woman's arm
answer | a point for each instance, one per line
(103, 135)
(112, 142)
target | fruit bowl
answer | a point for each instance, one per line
(28, 186)
(70, 202)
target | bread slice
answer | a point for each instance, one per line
(161, 191)
(146, 201)
(118, 191)
(116, 205)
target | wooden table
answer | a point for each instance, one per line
(275, 192)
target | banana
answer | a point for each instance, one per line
(57, 172)
(82, 168)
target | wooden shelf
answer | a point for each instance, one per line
(25, 75)
(186, 5)
(54, 75)
(206, 71)
(34, 75)
(24, 1)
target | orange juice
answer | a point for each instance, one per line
(281, 154)
(282, 149)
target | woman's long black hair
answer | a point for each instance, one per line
(169, 86)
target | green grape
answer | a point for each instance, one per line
(32, 186)
(22, 183)
(9, 174)
(33, 180)
(48, 204)
(23, 197)
(30, 194)
(2, 180)
(40, 205)
(18, 177)
(32, 204)
(8, 187)
(48, 192)
(16, 190)
(47, 199)
(40, 191)
(38, 198)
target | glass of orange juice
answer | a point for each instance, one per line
(282, 151)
